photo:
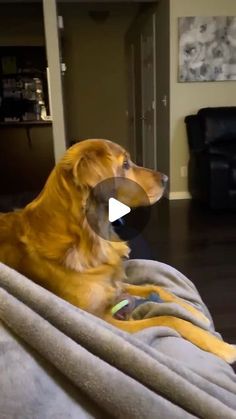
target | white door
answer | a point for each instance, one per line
(54, 76)
(148, 90)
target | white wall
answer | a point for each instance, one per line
(186, 98)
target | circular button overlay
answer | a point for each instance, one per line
(118, 204)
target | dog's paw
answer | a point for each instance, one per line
(226, 352)
(113, 294)
(230, 355)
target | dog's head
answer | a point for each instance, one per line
(93, 161)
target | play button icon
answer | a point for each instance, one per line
(117, 204)
(116, 210)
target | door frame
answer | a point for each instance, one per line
(154, 103)
(133, 34)
(54, 65)
(54, 77)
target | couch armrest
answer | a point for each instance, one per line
(194, 133)
(219, 180)
(209, 178)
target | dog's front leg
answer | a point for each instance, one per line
(94, 291)
(146, 290)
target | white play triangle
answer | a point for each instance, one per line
(116, 209)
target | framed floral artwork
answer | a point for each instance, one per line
(207, 48)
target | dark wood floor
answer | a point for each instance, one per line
(202, 245)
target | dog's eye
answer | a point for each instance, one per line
(126, 164)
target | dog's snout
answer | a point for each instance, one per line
(164, 179)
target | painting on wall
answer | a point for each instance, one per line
(207, 48)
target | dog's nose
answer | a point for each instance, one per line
(164, 179)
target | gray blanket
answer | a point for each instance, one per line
(57, 361)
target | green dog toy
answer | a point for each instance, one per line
(124, 308)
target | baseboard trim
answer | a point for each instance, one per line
(179, 195)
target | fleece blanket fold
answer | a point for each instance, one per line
(57, 361)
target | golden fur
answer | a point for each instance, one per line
(51, 242)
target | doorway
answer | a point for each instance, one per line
(141, 58)
(109, 83)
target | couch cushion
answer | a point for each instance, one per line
(224, 149)
(218, 124)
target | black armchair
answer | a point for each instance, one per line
(212, 165)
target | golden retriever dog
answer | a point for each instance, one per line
(51, 242)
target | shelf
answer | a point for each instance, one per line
(24, 123)
(30, 74)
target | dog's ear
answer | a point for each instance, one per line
(92, 166)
